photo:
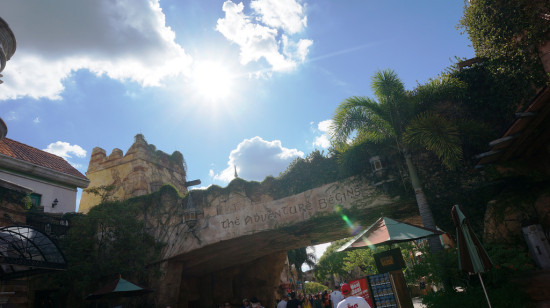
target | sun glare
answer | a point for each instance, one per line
(212, 80)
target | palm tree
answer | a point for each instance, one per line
(403, 119)
(300, 256)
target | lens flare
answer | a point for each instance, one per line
(353, 228)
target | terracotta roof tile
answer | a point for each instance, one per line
(35, 156)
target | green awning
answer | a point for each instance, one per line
(388, 231)
(119, 288)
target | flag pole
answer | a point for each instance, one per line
(485, 291)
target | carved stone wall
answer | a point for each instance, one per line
(237, 247)
(143, 170)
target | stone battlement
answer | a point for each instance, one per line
(139, 150)
(143, 170)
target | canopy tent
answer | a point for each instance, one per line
(25, 251)
(119, 288)
(388, 231)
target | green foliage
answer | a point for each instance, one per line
(108, 241)
(331, 262)
(105, 192)
(344, 264)
(506, 36)
(306, 173)
(12, 196)
(436, 92)
(391, 113)
(362, 258)
(511, 29)
(496, 88)
(436, 134)
(407, 119)
(177, 158)
(506, 295)
(315, 170)
(355, 160)
(428, 265)
(506, 260)
(314, 287)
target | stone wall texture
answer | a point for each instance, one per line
(237, 248)
(143, 170)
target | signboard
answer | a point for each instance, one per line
(390, 260)
(361, 288)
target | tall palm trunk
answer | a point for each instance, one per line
(423, 206)
(427, 218)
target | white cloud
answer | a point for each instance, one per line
(325, 125)
(297, 50)
(264, 36)
(199, 187)
(12, 116)
(256, 158)
(285, 14)
(124, 39)
(64, 149)
(323, 140)
(76, 166)
(36, 120)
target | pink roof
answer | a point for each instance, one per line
(35, 156)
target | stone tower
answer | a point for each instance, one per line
(143, 170)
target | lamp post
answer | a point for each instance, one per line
(191, 213)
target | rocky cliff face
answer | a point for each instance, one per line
(143, 170)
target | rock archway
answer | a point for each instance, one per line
(238, 246)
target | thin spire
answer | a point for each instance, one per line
(236, 175)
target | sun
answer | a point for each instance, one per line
(212, 80)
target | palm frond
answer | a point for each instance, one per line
(395, 103)
(358, 114)
(438, 135)
(444, 88)
(386, 84)
(311, 260)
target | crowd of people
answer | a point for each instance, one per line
(318, 300)
(339, 298)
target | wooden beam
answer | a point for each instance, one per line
(192, 183)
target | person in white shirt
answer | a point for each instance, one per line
(351, 301)
(336, 297)
(282, 303)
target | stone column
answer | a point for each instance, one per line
(205, 291)
(168, 287)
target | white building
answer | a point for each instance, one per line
(52, 179)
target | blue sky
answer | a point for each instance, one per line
(226, 83)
